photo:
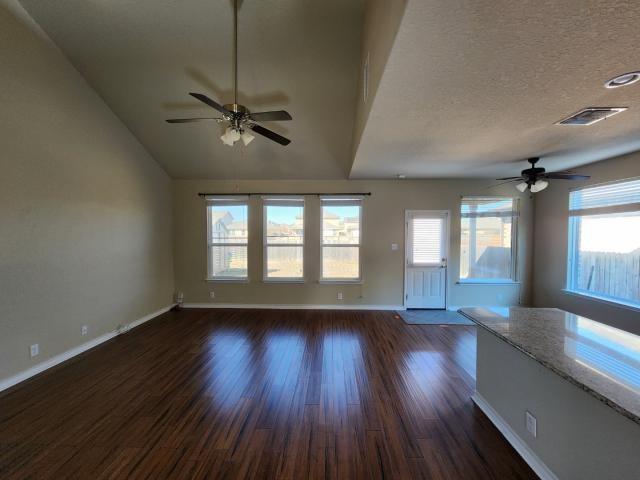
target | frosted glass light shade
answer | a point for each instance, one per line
(522, 186)
(234, 134)
(539, 186)
(230, 136)
(247, 138)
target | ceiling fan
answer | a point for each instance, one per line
(535, 178)
(238, 117)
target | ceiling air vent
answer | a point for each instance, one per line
(591, 115)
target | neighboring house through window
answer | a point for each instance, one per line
(488, 239)
(341, 233)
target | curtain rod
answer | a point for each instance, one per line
(240, 194)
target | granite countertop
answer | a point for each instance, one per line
(601, 360)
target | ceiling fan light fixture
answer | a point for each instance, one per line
(230, 136)
(539, 186)
(521, 187)
(226, 140)
(233, 134)
(247, 138)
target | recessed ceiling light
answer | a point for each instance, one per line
(623, 80)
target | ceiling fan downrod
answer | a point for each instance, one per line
(235, 52)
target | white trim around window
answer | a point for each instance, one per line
(281, 201)
(350, 243)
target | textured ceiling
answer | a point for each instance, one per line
(144, 56)
(470, 86)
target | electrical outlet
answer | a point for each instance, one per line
(532, 424)
(84, 330)
(339, 295)
(34, 350)
(212, 294)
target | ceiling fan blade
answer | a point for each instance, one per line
(188, 120)
(277, 115)
(514, 179)
(211, 103)
(269, 134)
(509, 178)
(565, 176)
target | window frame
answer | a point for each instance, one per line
(282, 201)
(349, 201)
(515, 216)
(229, 201)
(574, 234)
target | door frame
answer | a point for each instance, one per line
(447, 243)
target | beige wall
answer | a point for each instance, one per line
(383, 224)
(551, 243)
(85, 211)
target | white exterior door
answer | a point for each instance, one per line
(426, 245)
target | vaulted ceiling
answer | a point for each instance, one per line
(456, 88)
(144, 57)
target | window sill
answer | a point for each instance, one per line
(226, 280)
(486, 282)
(605, 300)
(283, 280)
(340, 282)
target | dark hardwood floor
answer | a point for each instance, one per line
(260, 394)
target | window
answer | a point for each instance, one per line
(488, 239)
(341, 239)
(227, 235)
(604, 242)
(284, 239)
(427, 239)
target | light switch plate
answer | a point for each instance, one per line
(394, 246)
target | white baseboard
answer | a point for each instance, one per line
(527, 454)
(61, 357)
(293, 306)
